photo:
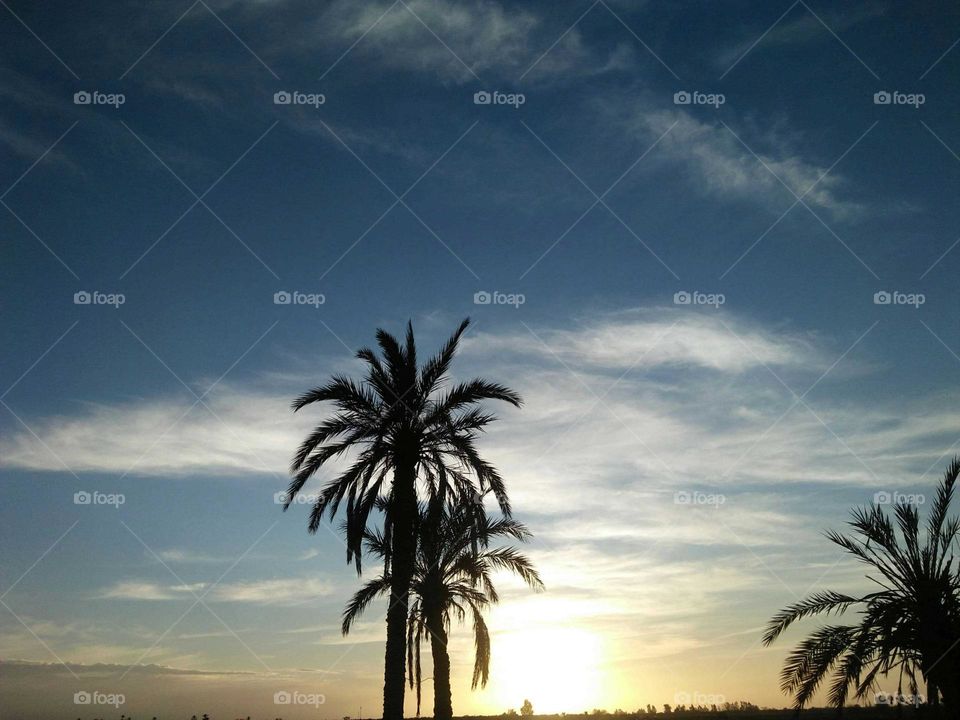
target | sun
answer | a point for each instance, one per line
(557, 669)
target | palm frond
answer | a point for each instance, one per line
(361, 599)
(818, 603)
(906, 626)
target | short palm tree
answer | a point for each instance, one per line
(407, 431)
(910, 626)
(452, 579)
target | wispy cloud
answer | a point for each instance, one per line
(658, 337)
(180, 555)
(799, 28)
(243, 431)
(578, 413)
(458, 42)
(280, 592)
(729, 163)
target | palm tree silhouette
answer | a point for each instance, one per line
(910, 625)
(404, 429)
(452, 578)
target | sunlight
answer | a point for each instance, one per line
(558, 669)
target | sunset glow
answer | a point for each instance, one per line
(349, 346)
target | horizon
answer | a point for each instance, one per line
(713, 246)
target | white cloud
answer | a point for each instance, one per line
(755, 165)
(243, 432)
(179, 555)
(661, 337)
(296, 590)
(697, 405)
(280, 592)
(134, 590)
(251, 431)
(481, 37)
(723, 166)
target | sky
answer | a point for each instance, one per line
(712, 245)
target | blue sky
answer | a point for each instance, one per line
(788, 392)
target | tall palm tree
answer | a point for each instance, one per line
(407, 432)
(910, 625)
(452, 578)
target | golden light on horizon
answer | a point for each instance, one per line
(557, 669)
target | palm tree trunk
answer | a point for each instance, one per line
(442, 698)
(943, 676)
(402, 562)
(394, 668)
(948, 690)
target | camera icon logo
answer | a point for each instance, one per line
(82, 498)
(280, 497)
(882, 298)
(282, 697)
(882, 497)
(482, 97)
(82, 697)
(682, 98)
(82, 98)
(482, 298)
(681, 497)
(282, 97)
(82, 298)
(282, 297)
(682, 298)
(882, 98)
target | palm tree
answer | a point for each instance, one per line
(452, 578)
(405, 430)
(911, 625)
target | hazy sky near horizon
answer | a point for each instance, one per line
(676, 461)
